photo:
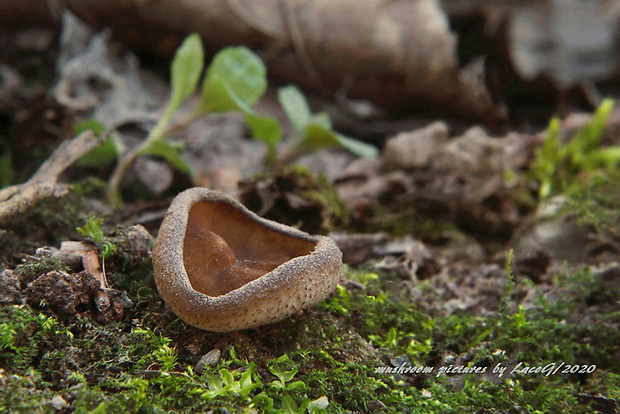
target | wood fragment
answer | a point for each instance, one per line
(17, 199)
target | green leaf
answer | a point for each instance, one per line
(296, 385)
(217, 96)
(283, 368)
(264, 400)
(186, 68)
(322, 119)
(89, 125)
(216, 387)
(295, 106)
(104, 154)
(108, 250)
(289, 405)
(235, 74)
(318, 135)
(358, 148)
(102, 408)
(316, 130)
(608, 156)
(170, 151)
(245, 382)
(184, 75)
(266, 129)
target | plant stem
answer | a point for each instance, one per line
(181, 125)
(121, 168)
(289, 154)
(159, 132)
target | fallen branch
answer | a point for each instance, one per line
(17, 199)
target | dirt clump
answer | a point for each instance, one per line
(65, 294)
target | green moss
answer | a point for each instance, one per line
(326, 354)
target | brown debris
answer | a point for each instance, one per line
(460, 179)
(66, 294)
(358, 248)
(10, 291)
(414, 149)
(532, 264)
(364, 183)
(287, 196)
(408, 258)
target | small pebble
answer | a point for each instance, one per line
(210, 359)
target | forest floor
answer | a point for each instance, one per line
(481, 271)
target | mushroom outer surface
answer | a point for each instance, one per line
(221, 267)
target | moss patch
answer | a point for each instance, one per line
(337, 353)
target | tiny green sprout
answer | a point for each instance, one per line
(218, 385)
(166, 356)
(510, 284)
(519, 318)
(264, 401)
(92, 230)
(234, 81)
(7, 337)
(225, 385)
(340, 303)
(102, 408)
(108, 249)
(313, 131)
(285, 369)
(368, 277)
(289, 405)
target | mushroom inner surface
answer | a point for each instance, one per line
(224, 249)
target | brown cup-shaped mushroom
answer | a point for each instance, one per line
(220, 267)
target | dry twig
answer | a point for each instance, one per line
(17, 199)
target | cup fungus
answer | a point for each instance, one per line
(221, 267)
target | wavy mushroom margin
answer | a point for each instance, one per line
(296, 284)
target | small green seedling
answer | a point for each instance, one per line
(558, 164)
(224, 384)
(285, 369)
(338, 304)
(289, 405)
(313, 131)
(92, 230)
(162, 353)
(234, 81)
